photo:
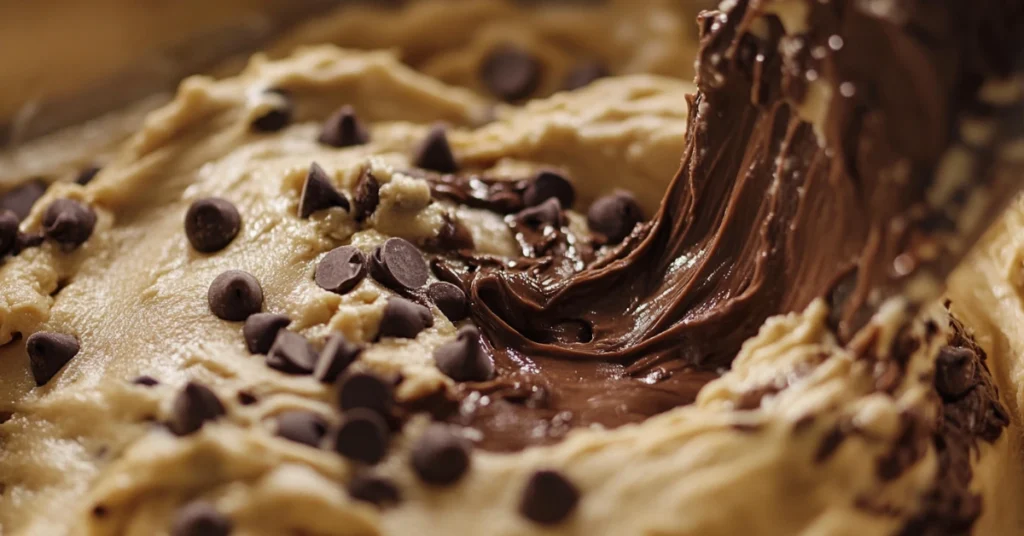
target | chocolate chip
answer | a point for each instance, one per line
(8, 232)
(246, 398)
(362, 436)
(464, 359)
(435, 153)
(615, 215)
(440, 457)
(48, 352)
(235, 295)
(404, 319)
(399, 265)
(344, 129)
(336, 356)
(87, 174)
(449, 299)
(549, 498)
(584, 73)
(68, 223)
(261, 329)
(20, 200)
(192, 407)
(200, 519)
(363, 390)
(454, 235)
(367, 196)
(318, 193)
(145, 381)
(548, 213)
(27, 240)
(278, 116)
(291, 353)
(301, 426)
(510, 73)
(341, 269)
(211, 224)
(374, 489)
(954, 371)
(547, 184)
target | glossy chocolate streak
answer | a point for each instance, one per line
(808, 166)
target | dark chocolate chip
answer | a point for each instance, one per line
(146, 381)
(278, 116)
(211, 224)
(68, 222)
(363, 436)
(615, 216)
(435, 153)
(246, 398)
(454, 235)
(510, 73)
(200, 519)
(341, 269)
(404, 319)
(20, 200)
(439, 457)
(235, 295)
(28, 240)
(549, 498)
(399, 265)
(954, 371)
(450, 299)
(192, 407)
(318, 193)
(100, 511)
(291, 353)
(8, 232)
(261, 329)
(547, 184)
(336, 356)
(464, 359)
(363, 390)
(344, 129)
(367, 196)
(48, 352)
(301, 426)
(86, 175)
(548, 213)
(584, 73)
(374, 489)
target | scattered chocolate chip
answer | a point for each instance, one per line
(301, 426)
(367, 196)
(615, 215)
(954, 371)
(399, 265)
(454, 235)
(363, 390)
(8, 232)
(435, 153)
(87, 174)
(374, 489)
(291, 353)
(318, 193)
(278, 116)
(336, 356)
(68, 222)
(404, 319)
(261, 329)
(344, 129)
(584, 73)
(20, 200)
(200, 519)
(100, 511)
(510, 73)
(145, 381)
(547, 184)
(192, 407)
(211, 224)
(48, 352)
(28, 240)
(362, 436)
(235, 295)
(341, 269)
(440, 457)
(450, 299)
(464, 359)
(6, 416)
(246, 398)
(549, 498)
(548, 213)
